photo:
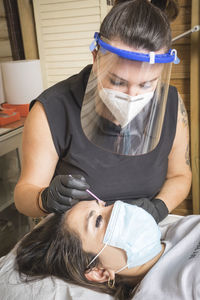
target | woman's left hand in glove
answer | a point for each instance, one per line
(156, 207)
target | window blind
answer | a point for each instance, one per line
(65, 30)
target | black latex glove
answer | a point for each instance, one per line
(156, 207)
(63, 192)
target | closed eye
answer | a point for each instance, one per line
(98, 221)
(149, 84)
(117, 82)
(146, 85)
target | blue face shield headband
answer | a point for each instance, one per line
(135, 231)
(151, 58)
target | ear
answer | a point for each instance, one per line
(94, 54)
(94, 67)
(100, 275)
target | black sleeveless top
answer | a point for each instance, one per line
(110, 176)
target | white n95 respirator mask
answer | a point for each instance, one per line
(135, 231)
(123, 106)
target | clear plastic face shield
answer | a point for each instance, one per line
(125, 99)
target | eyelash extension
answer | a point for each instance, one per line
(98, 221)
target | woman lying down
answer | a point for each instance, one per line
(118, 250)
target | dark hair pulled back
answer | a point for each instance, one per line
(170, 7)
(138, 24)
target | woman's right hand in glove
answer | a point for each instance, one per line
(63, 192)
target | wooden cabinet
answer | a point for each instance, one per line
(13, 225)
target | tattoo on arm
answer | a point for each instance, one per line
(184, 120)
(183, 111)
(187, 156)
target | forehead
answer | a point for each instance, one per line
(113, 62)
(134, 70)
(130, 70)
(76, 215)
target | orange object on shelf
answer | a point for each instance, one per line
(8, 116)
(23, 109)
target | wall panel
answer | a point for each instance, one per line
(181, 74)
(64, 32)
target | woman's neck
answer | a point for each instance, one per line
(147, 266)
(141, 271)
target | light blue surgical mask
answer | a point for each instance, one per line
(135, 231)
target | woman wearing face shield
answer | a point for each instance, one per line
(116, 128)
(117, 250)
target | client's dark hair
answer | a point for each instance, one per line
(51, 249)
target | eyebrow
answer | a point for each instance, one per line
(150, 80)
(114, 75)
(97, 201)
(91, 213)
(122, 79)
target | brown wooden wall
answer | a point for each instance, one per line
(181, 74)
(5, 49)
(195, 107)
